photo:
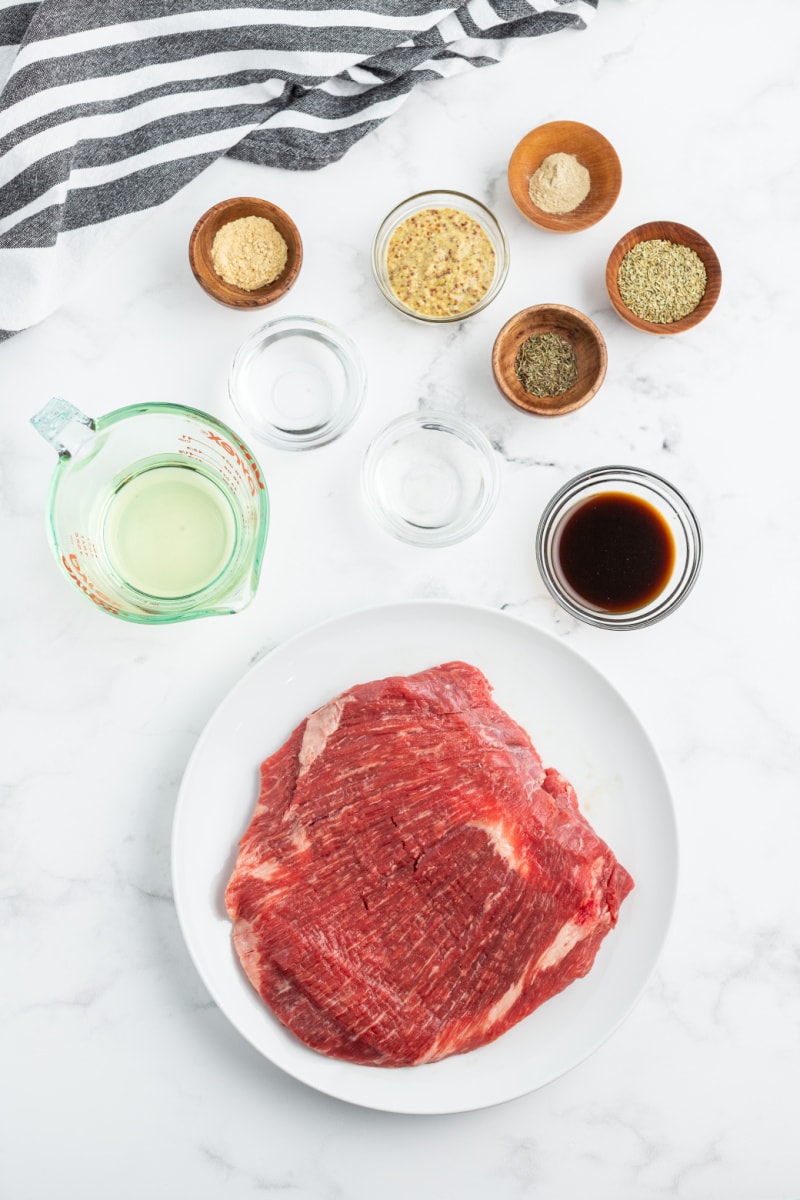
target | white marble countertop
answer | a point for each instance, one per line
(120, 1077)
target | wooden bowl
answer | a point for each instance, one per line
(583, 335)
(592, 151)
(682, 235)
(202, 239)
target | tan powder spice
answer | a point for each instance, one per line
(249, 253)
(440, 262)
(559, 184)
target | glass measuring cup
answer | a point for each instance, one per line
(157, 512)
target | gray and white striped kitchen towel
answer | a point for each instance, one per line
(108, 107)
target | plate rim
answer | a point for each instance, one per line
(328, 1087)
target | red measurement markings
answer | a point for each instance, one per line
(234, 469)
(84, 545)
(81, 580)
(245, 460)
(188, 448)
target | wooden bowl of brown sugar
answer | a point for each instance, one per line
(549, 360)
(663, 277)
(253, 262)
(571, 169)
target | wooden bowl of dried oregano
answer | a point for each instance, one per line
(663, 277)
(245, 252)
(549, 360)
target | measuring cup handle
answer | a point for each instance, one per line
(64, 426)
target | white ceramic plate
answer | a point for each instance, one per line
(578, 723)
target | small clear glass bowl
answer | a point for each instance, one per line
(430, 478)
(642, 485)
(441, 199)
(297, 383)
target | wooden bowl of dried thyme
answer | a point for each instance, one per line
(549, 360)
(663, 277)
(245, 252)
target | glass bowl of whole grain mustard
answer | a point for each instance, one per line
(440, 256)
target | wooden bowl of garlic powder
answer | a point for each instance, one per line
(245, 252)
(564, 176)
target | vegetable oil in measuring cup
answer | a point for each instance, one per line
(168, 530)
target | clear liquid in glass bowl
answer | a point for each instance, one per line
(297, 383)
(430, 478)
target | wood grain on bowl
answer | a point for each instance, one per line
(588, 346)
(592, 150)
(681, 235)
(202, 239)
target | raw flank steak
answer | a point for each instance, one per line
(413, 881)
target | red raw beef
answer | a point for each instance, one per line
(413, 881)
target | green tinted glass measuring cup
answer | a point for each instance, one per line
(157, 512)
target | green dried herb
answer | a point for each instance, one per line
(545, 365)
(661, 281)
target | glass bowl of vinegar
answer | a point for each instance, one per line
(619, 547)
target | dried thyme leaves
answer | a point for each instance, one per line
(661, 281)
(545, 365)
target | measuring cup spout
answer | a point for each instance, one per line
(240, 597)
(64, 426)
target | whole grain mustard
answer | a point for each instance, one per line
(440, 262)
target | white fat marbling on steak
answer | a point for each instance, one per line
(501, 839)
(319, 727)
(575, 930)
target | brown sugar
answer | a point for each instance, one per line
(249, 253)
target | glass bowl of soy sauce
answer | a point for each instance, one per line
(619, 547)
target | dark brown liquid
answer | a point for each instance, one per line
(616, 552)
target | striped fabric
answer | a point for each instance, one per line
(108, 107)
